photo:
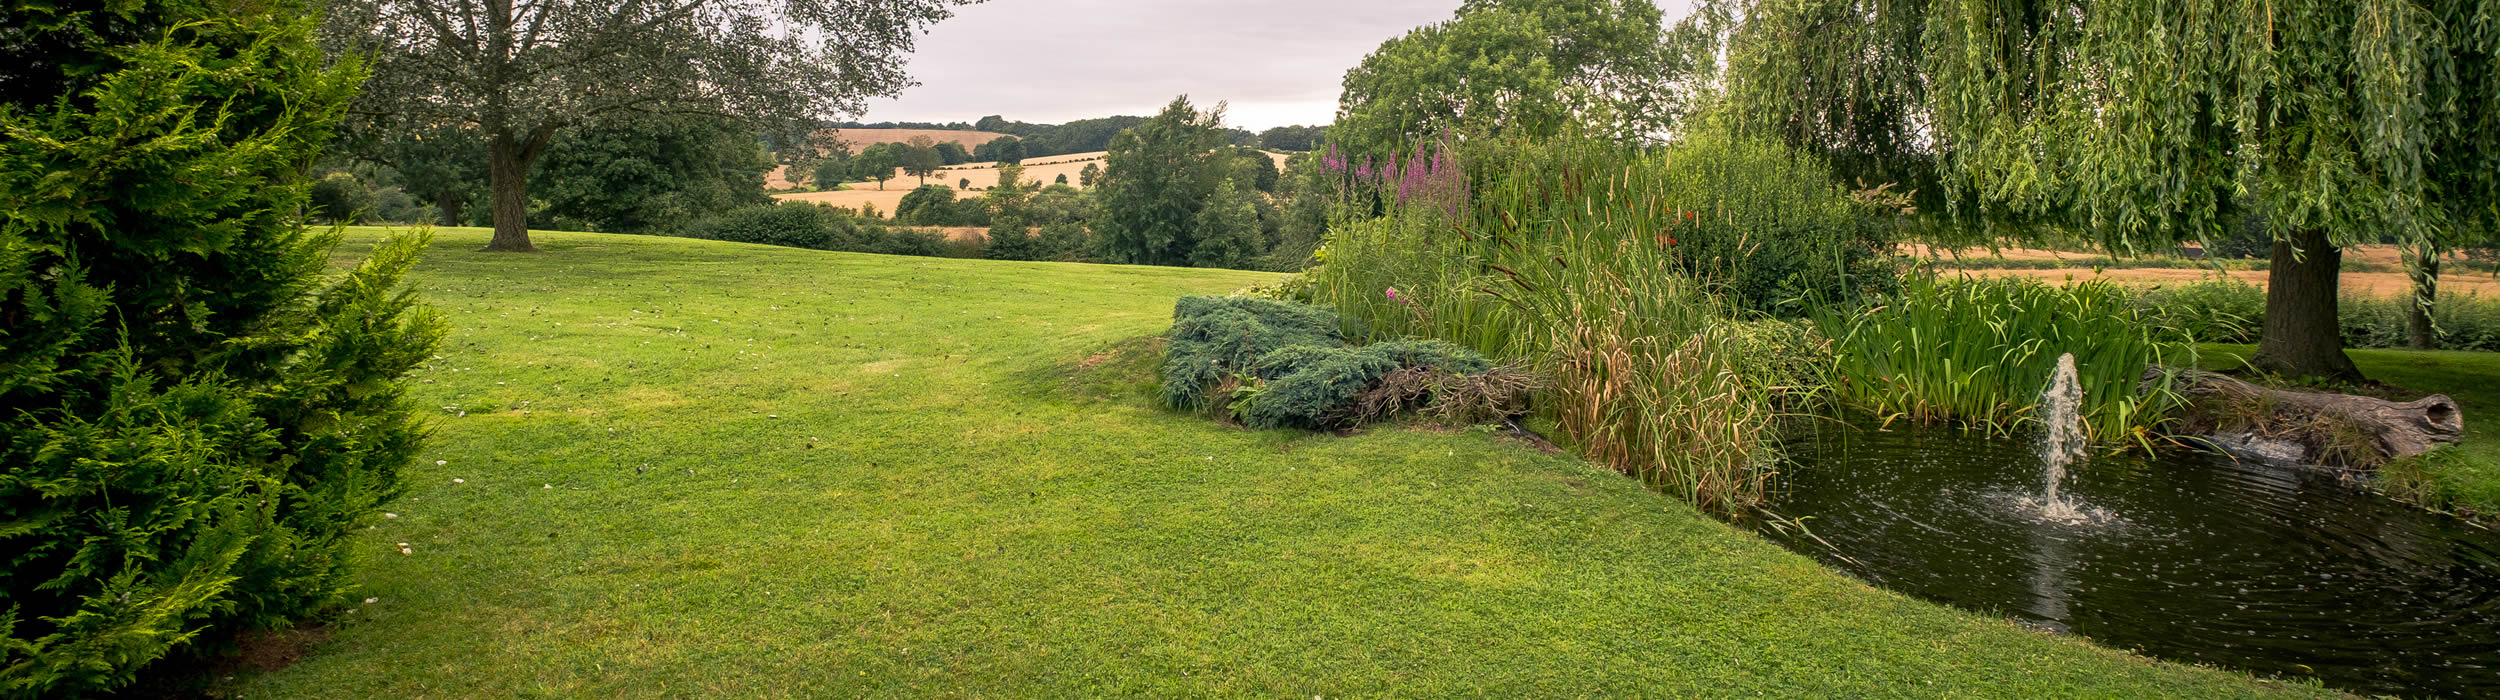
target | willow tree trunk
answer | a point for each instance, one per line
(2301, 337)
(2425, 272)
(507, 175)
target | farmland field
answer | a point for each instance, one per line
(1044, 170)
(2387, 280)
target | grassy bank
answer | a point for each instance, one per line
(683, 468)
(2470, 477)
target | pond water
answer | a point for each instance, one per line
(2187, 557)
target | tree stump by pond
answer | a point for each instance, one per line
(2308, 427)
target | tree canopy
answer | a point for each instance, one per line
(649, 175)
(517, 74)
(1160, 176)
(1525, 67)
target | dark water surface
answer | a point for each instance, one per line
(2277, 571)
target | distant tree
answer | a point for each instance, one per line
(1228, 229)
(920, 158)
(1088, 176)
(876, 163)
(1255, 169)
(953, 153)
(1160, 176)
(1063, 179)
(518, 74)
(201, 411)
(993, 123)
(1010, 239)
(936, 205)
(1293, 138)
(1004, 149)
(649, 173)
(443, 164)
(834, 170)
(1510, 66)
(964, 184)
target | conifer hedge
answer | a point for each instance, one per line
(195, 412)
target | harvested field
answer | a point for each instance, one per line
(2391, 282)
(859, 139)
(1044, 170)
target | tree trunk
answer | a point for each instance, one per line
(2425, 272)
(2301, 337)
(2290, 418)
(508, 170)
(450, 206)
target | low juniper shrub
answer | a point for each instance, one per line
(1278, 364)
(1213, 338)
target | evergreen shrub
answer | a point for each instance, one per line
(195, 411)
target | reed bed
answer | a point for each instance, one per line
(1981, 351)
(1621, 278)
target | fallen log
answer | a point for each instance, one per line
(2311, 427)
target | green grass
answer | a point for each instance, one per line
(2468, 479)
(706, 469)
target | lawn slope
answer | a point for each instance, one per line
(682, 468)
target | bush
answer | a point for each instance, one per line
(340, 198)
(1066, 241)
(1276, 364)
(1010, 239)
(194, 414)
(795, 226)
(1213, 338)
(2216, 311)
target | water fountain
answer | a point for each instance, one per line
(2063, 442)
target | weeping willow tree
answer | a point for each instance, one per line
(2338, 122)
(2145, 123)
(1838, 78)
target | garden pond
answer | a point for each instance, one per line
(2183, 556)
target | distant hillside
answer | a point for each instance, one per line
(860, 139)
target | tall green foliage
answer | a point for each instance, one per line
(193, 416)
(1597, 264)
(1982, 352)
(1159, 177)
(649, 174)
(1519, 67)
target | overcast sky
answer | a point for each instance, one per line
(1277, 62)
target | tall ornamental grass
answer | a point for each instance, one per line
(1981, 352)
(1620, 276)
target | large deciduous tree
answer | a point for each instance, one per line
(1526, 67)
(2339, 121)
(519, 72)
(1160, 176)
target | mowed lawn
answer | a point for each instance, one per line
(699, 469)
